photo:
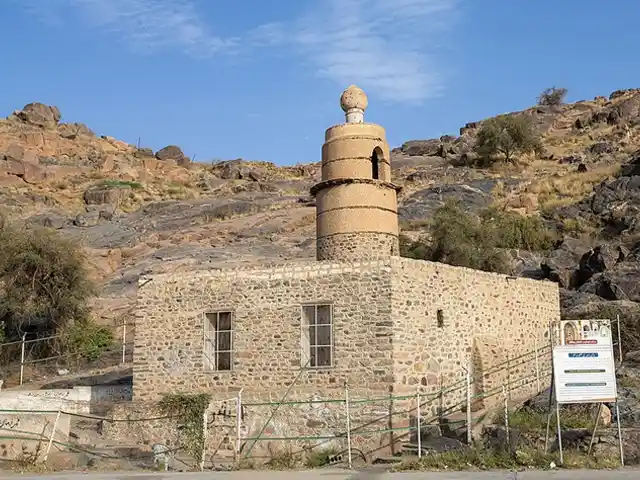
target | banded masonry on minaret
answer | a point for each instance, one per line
(356, 203)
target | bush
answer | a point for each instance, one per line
(513, 230)
(506, 135)
(458, 238)
(552, 97)
(88, 340)
(44, 285)
(527, 419)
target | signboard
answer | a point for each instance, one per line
(584, 373)
(583, 368)
(585, 332)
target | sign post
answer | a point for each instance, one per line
(584, 369)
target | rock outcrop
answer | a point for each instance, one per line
(163, 212)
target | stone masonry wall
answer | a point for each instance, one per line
(386, 336)
(511, 313)
(358, 245)
(266, 304)
(304, 428)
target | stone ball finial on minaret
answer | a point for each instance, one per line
(354, 102)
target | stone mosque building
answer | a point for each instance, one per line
(359, 314)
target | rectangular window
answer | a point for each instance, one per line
(218, 341)
(317, 336)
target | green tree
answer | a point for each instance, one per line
(44, 284)
(512, 230)
(552, 97)
(507, 135)
(477, 241)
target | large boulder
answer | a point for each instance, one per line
(22, 163)
(561, 263)
(172, 152)
(436, 147)
(106, 194)
(422, 204)
(72, 131)
(632, 167)
(39, 114)
(240, 170)
(54, 219)
(34, 174)
(427, 148)
(574, 265)
(622, 282)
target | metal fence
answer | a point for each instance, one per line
(236, 430)
(16, 356)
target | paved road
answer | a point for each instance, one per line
(347, 475)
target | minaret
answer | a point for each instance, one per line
(356, 203)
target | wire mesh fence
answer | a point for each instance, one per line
(27, 359)
(342, 430)
(343, 426)
(355, 430)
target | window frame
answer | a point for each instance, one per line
(211, 352)
(306, 346)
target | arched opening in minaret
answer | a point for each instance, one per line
(376, 159)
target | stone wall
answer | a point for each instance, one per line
(266, 306)
(72, 400)
(303, 428)
(111, 393)
(363, 245)
(506, 316)
(399, 325)
(27, 435)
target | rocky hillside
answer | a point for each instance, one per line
(138, 211)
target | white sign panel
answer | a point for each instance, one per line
(584, 373)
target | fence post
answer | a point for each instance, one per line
(124, 340)
(346, 403)
(506, 417)
(205, 420)
(440, 399)
(24, 336)
(619, 339)
(238, 426)
(537, 367)
(53, 432)
(418, 421)
(508, 376)
(468, 378)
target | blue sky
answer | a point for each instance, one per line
(261, 80)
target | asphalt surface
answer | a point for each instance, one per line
(347, 475)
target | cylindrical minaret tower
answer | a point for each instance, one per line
(356, 203)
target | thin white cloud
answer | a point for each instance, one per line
(386, 47)
(145, 25)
